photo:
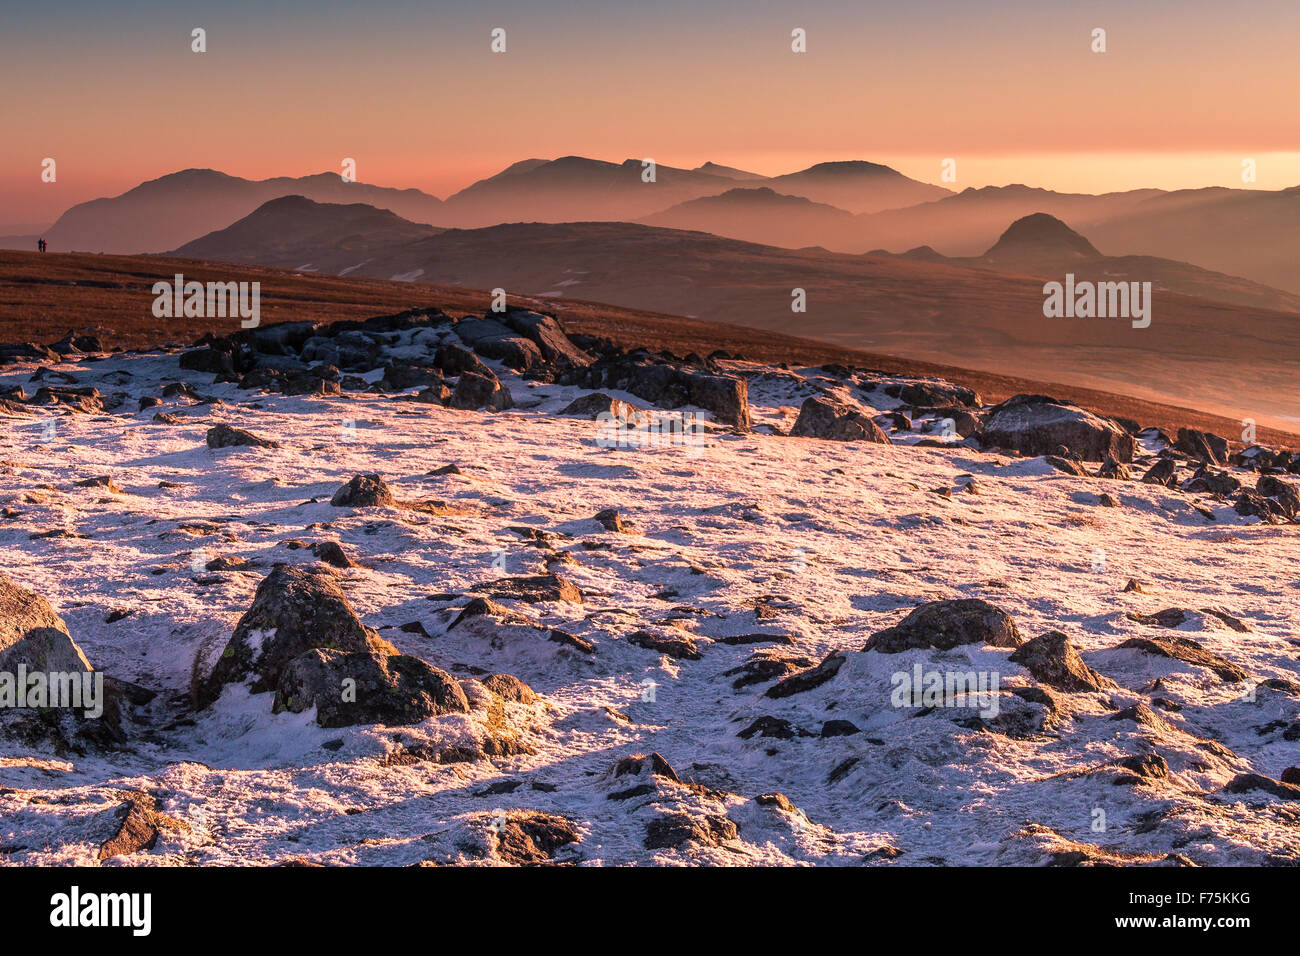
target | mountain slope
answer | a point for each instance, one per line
(294, 227)
(1234, 360)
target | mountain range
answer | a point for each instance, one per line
(851, 207)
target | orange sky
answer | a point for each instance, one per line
(411, 90)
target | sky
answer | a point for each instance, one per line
(412, 91)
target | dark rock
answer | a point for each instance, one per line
(530, 837)
(595, 405)
(364, 491)
(839, 728)
(1202, 446)
(1052, 659)
(1246, 782)
(33, 635)
(1037, 425)
(295, 610)
(474, 391)
(387, 688)
(1114, 470)
(809, 679)
(675, 829)
(948, 624)
(821, 417)
(610, 520)
(1067, 465)
(228, 436)
(776, 727)
(331, 552)
(683, 647)
(1163, 472)
(456, 359)
(921, 394)
(1189, 652)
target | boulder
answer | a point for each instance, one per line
(921, 394)
(948, 624)
(364, 491)
(1052, 659)
(474, 391)
(1203, 446)
(33, 635)
(668, 385)
(228, 436)
(1037, 425)
(1114, 470)
(389, 688)
(545, 332)
(598, 403)
(1189, 652)
(1164, 472)
(295, 610)
(821, 417)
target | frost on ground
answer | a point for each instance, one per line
(697, 689)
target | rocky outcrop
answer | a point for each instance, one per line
(668, 385)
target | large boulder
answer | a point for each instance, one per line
(32, 635)
(934, 393)
(948, 624)
(822, 417)
(295, 610)
(493, 340)
(1038, 425)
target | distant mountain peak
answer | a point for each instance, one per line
(1040, 234)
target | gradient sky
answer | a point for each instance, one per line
(412, 92)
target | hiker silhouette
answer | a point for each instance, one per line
(40, 245)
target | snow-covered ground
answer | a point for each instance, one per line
(814, 544)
